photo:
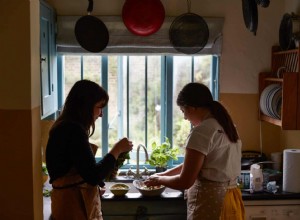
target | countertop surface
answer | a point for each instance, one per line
(270, 196)
(175, 195)
(134, 194)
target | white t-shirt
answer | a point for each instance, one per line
(223, 158)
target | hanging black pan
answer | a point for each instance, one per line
(289, 31)
(91, 33)
(263, 3)
(189, 32)
(250, 15)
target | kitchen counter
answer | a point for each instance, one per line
(176, 194)
(170, 205)
(270, 196)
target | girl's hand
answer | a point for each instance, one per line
(153, 180)
(123, 145)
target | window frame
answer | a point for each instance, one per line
(166, 97)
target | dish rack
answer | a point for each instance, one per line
(285, 72)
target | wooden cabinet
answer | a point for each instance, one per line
(154, 208)
(48, 73)
(289, 80)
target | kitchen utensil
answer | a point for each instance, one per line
(91, 33)
(251, 157)
(250, 15)
(289, 31)
(189, 32)
(143, 17)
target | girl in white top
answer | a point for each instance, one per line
(212, 159)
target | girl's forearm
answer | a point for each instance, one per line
(171, 172)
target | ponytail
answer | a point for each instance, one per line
(224, 119)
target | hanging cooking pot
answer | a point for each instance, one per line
(263, 3)
(143, 17)
(189, 32)
(289, 31)
(250, 15)
(91, 33)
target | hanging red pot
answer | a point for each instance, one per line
(143, 17)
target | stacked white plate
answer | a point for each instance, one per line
(270, 101)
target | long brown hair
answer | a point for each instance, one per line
(80, 102)
(198, 95)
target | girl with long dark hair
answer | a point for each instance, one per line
(212, 160)
(74, 173)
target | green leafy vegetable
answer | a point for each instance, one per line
(119, 163)
(121, 159)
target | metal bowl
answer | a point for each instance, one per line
(148, 191)
(119, 189)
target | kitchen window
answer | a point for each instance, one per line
(143, 91)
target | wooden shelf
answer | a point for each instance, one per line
(274, 79)
(270, 120)
(290, 109)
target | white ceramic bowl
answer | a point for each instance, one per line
(148, 191)
(119, 189)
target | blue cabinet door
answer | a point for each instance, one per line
(48, 61)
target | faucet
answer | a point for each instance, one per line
(138, 175)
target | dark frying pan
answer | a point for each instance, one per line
(250, 15)
(189, 32)
(263, 3)
(289, 31)
(143, 17)
(91, 33)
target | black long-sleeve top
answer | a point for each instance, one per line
(68, 146)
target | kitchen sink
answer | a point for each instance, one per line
(126, 179)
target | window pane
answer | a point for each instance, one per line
(123, 97)
(153, 100)
(113, 100)
(202, 68)
(136, 102)
(92, 68)
(182, 68)
(72, 70)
